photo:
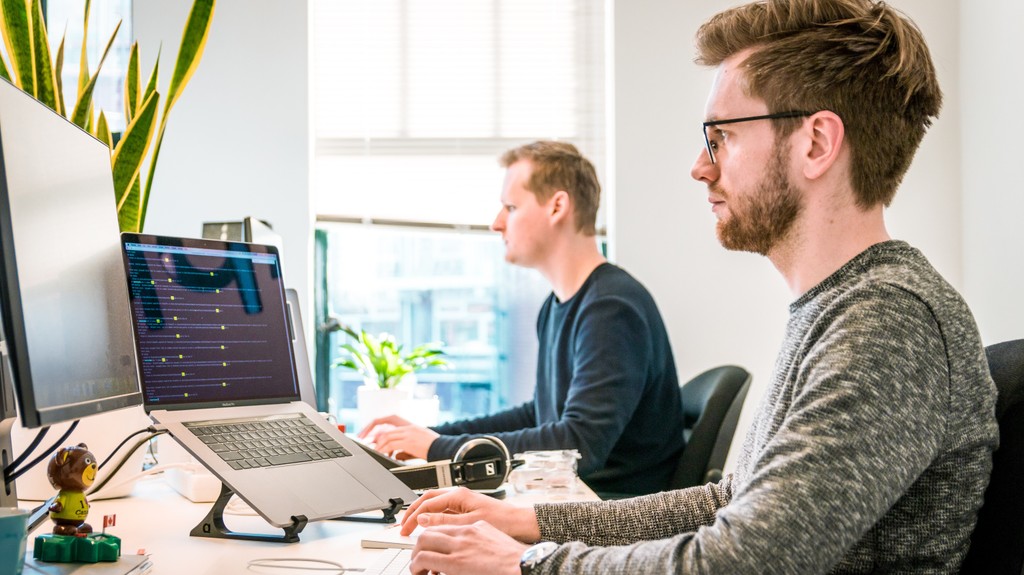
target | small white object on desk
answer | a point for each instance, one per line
(390, 538)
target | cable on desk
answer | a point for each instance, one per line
(238, 506)
(151, 471)
(150, 429)
(28, 450)
(317, 564)
(97, 486)
(9, 477)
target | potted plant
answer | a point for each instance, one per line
(388, 371)
(31, 69)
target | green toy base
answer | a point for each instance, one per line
(70, 549)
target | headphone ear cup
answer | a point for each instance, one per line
(491, 454)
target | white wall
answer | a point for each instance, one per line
(237, 142)
(991, 52)
(720, 306)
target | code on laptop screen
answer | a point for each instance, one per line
(210, 322)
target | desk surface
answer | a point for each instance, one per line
(157, 520)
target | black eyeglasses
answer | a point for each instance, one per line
(779, 116)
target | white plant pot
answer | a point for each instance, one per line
(373, 402)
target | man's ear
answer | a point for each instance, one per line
(558, 206)
(825, 136)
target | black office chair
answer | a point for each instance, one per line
(711, 408)
(997, 544)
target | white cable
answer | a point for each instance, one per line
(281, 563)
(237, 506)
(152, 470)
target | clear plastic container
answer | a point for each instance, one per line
(550, 472)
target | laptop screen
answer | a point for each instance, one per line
(210, 323)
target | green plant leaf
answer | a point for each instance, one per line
(17, 32)
(3, 65)
(131, 84)
(82, 116)
(128, 215)
(193, 42)
(103, 131)
(381, 357)
(58, 70)
(42, 62)
(127, 161)
(83, 61)
(345, 363)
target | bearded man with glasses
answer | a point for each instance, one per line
(873, 446)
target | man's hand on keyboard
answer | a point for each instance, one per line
(464, 507)
(397, 437)
(476, 549)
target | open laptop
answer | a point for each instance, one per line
(217, 370)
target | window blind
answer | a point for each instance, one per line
(413, 100)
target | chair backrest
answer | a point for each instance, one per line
(711, 409)
(997, 544)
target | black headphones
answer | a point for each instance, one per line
(480, 463)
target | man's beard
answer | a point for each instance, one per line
(758, 222)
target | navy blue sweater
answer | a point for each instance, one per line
(606, 385)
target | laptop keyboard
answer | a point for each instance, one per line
(393, 562)
(265, 442)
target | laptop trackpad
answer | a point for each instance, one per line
(336, 490)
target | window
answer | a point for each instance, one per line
(427, 285)
(413, 101)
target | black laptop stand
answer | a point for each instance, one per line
(213, 525)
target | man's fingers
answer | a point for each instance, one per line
(442, 520)
(428, 503)
(427, 562)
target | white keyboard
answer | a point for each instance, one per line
(391, 562)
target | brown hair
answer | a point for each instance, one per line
(560, 166)
(860, 59)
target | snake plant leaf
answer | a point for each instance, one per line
(58, 70)
(17, 32)
(151, 85)
(43, 63)
(83, 61)
(131, 84)
(103, 131)
(127, 161)
(3, 32)
(3, 67)
(193, 42)
(82, 115)
(128, 215)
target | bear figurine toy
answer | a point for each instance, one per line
(72, 470)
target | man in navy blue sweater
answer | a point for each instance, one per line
(606, 378)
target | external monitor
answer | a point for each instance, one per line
(67, 345)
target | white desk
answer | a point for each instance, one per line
(157, 519)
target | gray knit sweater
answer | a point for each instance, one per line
(870, 451)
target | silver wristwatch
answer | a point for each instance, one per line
(534, 556)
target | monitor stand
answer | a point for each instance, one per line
(8, 494)
(8, 419)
